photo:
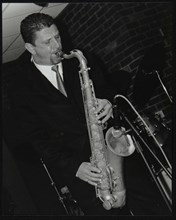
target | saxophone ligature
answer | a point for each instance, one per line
(111, 190)
(146, 144)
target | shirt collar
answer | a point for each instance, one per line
(39, 65)
(47, 67)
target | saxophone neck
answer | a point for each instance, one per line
(75, 53)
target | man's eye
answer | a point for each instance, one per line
(58, 36)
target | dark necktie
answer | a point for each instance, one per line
(60, 82)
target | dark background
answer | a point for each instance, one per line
(125, 38)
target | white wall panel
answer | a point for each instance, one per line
(16, 9)
(12, 15)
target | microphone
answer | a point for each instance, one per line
(117, 138)
(118, 130)
(117, 119)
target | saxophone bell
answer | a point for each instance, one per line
(119, 142)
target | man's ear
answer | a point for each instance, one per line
(30, 48)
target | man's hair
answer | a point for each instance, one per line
(32, 23)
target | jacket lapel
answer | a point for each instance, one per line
(40, 83)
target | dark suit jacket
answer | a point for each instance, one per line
(53, 125)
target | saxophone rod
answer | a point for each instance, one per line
(170, 98)
(153, 176)
(157, 143)
(167, 171)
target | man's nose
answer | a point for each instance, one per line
(56, 43)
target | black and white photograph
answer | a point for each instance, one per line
(87, 109)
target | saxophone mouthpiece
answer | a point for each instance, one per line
(61, 55)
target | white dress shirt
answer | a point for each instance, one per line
(48, 72)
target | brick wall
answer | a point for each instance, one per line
(119, 34)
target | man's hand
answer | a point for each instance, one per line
(104, 110)
(89, 173)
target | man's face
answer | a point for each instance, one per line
(47, 48)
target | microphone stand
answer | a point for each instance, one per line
(53, 184)
(69, 204)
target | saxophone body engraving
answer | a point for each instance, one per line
(111, 190)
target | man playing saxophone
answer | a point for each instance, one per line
(51, 119)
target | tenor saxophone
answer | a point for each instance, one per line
(111, 190)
